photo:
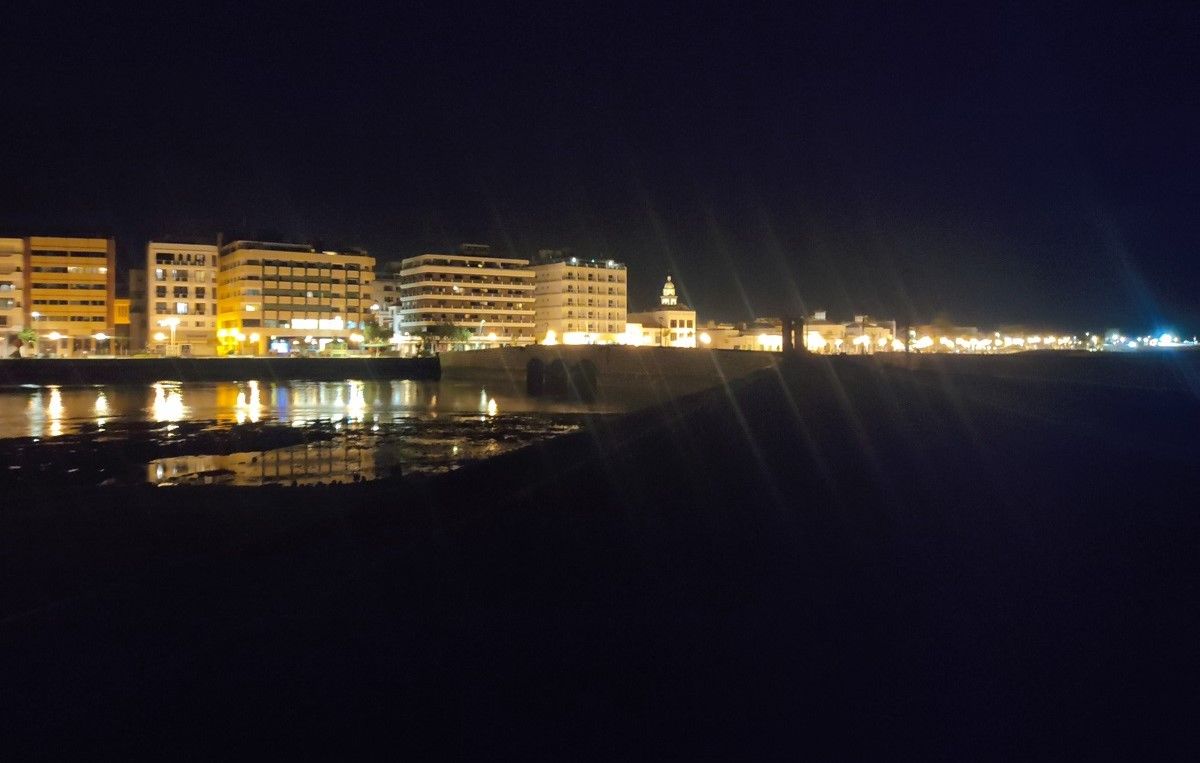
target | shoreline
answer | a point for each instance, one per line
(90, 371)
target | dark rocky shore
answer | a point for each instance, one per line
(838, 559)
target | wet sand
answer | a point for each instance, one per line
(839, 559)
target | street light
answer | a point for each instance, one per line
(171, 323)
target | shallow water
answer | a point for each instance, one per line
(264, 432)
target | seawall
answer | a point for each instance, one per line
(663, 372)
(1168, 369)
(148, 370)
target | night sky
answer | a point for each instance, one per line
(1016, 163)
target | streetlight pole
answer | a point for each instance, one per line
(171, 323)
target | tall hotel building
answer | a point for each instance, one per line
(578, 301)
(181, 299)
(490, 296)
(69, 291)
(12, 286)
(283, 298)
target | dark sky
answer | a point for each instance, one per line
(1001, 164)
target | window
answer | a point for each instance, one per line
(160, 308)
(199, 308)
(200, 292)
(160, 274)
(180, 292)
(181, 308)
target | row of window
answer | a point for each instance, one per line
(413, 303)
(56, 253)
(276, 265)
(590, 314)
(81, 302)
(592, 303)
(180, 308)
(468, 292)
(72, 286)
(569, 276)
(681, 323)
(76, 269)
(182, 276)
(468, 317)
(299, 279)
(611, 328)
(446, 278)
(181, 292)
(185, 258)
(455, 263)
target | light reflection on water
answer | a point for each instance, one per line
(375, 425)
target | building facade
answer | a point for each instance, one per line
(181, 295)
(490, 297)
(12, 286)
(385, 289)
(137, 311)
(286, 298)
(69, 291)
(671, 324)
(578, 301)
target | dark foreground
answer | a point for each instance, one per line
(840, 560)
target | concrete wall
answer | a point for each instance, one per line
(669, 371)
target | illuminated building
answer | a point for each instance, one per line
(181, 299)
(137, 311)
(823, 336)
(672, 324)
(763, 335)
(385, 290)
(118, 343)
(12, 287)
(865, 335)
(490, 297)
(69, 292)
(578, 301)
(283, 298)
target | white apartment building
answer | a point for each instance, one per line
(12, 287)
(579, 301)
(181, 299)
(492, 297)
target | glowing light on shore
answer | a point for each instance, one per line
(168, 403)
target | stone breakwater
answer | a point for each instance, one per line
(148, 370)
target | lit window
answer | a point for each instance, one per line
(181, 308)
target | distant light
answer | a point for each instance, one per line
(159, 336)
(54, 336)
(100, 336)
(254, 337)
(705, 338)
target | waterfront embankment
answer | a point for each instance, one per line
(66, 371)
(658, 373)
